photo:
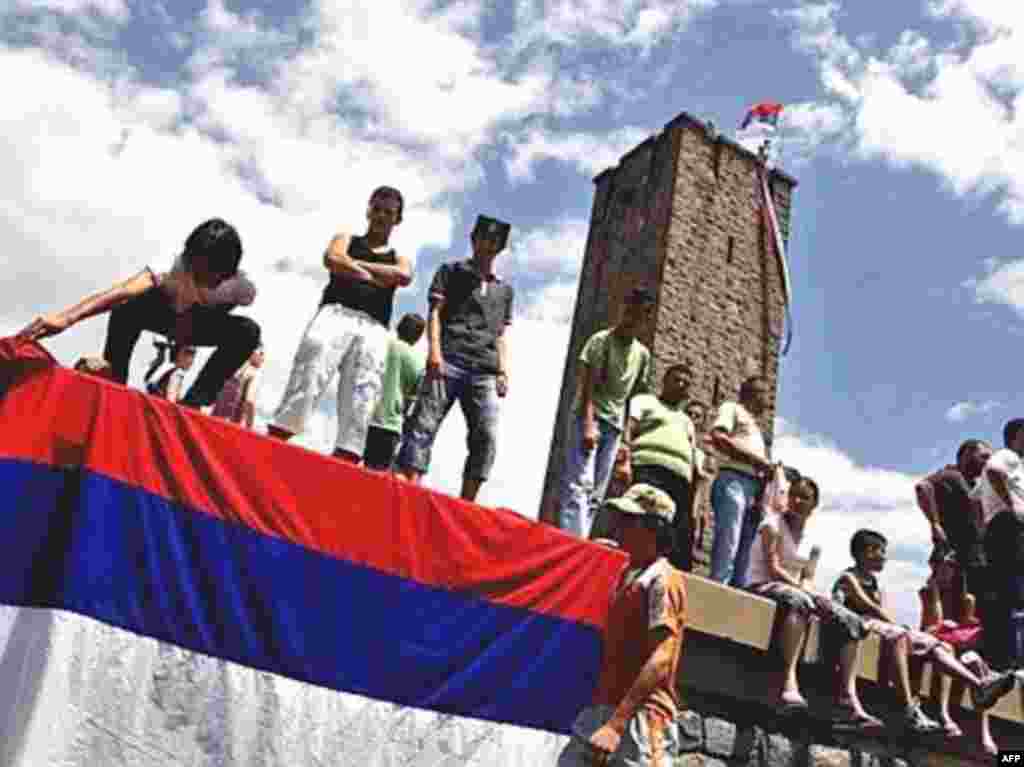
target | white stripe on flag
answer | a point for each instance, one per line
(79, 693)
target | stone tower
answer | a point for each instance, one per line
(681, 214)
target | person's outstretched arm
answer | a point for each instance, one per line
(98, 303)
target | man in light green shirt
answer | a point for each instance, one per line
(402, 373)
(614, 364)
(664, 450)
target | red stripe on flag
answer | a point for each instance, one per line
(57, 417)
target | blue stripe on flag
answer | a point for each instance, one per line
(84, 542)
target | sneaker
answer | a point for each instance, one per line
(992, 689)
(916, 721)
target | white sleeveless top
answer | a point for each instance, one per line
(792, 562)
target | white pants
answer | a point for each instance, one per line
(352, 345)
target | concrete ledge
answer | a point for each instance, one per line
(729, 651)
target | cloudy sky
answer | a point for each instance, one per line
(125, 123)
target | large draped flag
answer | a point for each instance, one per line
(166, 529)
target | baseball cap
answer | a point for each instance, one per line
(645, 500)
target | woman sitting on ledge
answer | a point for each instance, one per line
(776, 572)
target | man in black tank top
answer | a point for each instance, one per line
(349, 333)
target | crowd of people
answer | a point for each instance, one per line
(640, 467)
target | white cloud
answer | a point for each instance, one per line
(590, 153)
(1001, 284)
(913, 104)
(554, 303)
(115, 9)
(551, 251)
(636, 24)
(961, 411)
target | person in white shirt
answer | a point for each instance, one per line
(190, 304)
(777, 572)
(1001, 490)
(1001, 487)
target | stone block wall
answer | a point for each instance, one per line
(713, 740)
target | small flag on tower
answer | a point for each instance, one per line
(765, 113)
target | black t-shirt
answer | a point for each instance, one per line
(363, 296)
(1004, 543)
(474, 313)
(959, 516)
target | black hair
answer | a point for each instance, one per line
(410, 328)
(862, 539)
(810, 484)
(1011, 429)
(389, 193)
(969, 446)
(219, 242)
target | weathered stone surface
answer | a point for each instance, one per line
(780, 752)
(691, 731)
(719, 737)
(699, 760)
(822, 756)
(749, 746)
(863, 759)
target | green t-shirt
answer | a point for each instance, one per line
(618, 369)
(662, 436)
(402, 374)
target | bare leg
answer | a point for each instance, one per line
(952, 728)
(848, 655)
(944, 657)
(794, 628)
(988, 743)
(470, 488)
(901, 670)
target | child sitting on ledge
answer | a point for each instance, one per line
(858, 588)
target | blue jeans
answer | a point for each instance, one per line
(478, 397)
(585, 475)
(732, 500)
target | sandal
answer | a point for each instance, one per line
(845, 716)
(791, 704)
